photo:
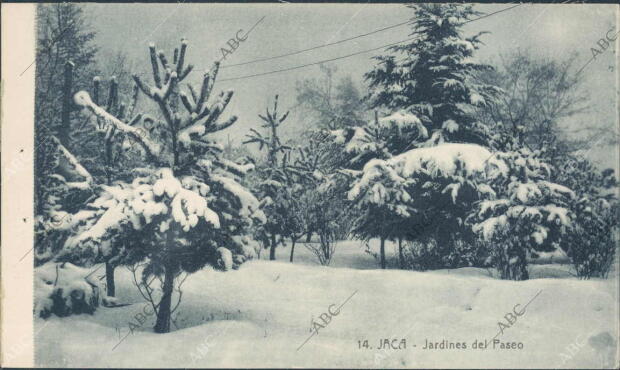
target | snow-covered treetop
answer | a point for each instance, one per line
(431, 77)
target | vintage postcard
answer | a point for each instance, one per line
(310, 185)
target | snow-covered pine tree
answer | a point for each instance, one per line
(430, 77)
(274, 180)
(187, 209)
(383, 204)
(360, 144)
(525, 212)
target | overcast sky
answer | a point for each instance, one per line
(550, 30)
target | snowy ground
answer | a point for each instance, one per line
(261, 314)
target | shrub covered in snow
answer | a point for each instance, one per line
(63, 289)
(593, 240)
(423, 195)
(320, 195)
(524, 212)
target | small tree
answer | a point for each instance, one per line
(112, 166)
(383, 204)
(321, 194)
(187, 209)
(274, 180)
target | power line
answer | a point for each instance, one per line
(316, 47)
(315, 63)
(349, 55)
(490, 14)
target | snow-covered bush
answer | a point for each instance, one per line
(63, 289)
(592, 242)
(425, 255)
(523, 213)
(422, 195)
(321, 199)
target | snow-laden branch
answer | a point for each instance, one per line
(76, 167)
(208, 124)
(151, 148)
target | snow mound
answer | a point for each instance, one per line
(64, 289)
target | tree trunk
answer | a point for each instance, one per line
(401, 257)
(513, 264)
(67, 99)
(382, 251)
(109, 279)
(272, 248)
(163, 313)
(325, 247)
(292, 248)
(308, 236)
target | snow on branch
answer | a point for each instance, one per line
(152, 149)
(202, 125)
(74, 168)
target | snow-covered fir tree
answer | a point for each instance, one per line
(67, 185)
(430, 77)
(186, 209)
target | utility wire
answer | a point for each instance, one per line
(349, 55)
(316, 47)
(315, 63)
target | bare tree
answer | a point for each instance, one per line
(332, 104)
(538, 95)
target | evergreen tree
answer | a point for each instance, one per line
(421, 195)
(64, 60)
(187, 208)
(430, 77)
(62, 36)
(591, 242)
(274, 180)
